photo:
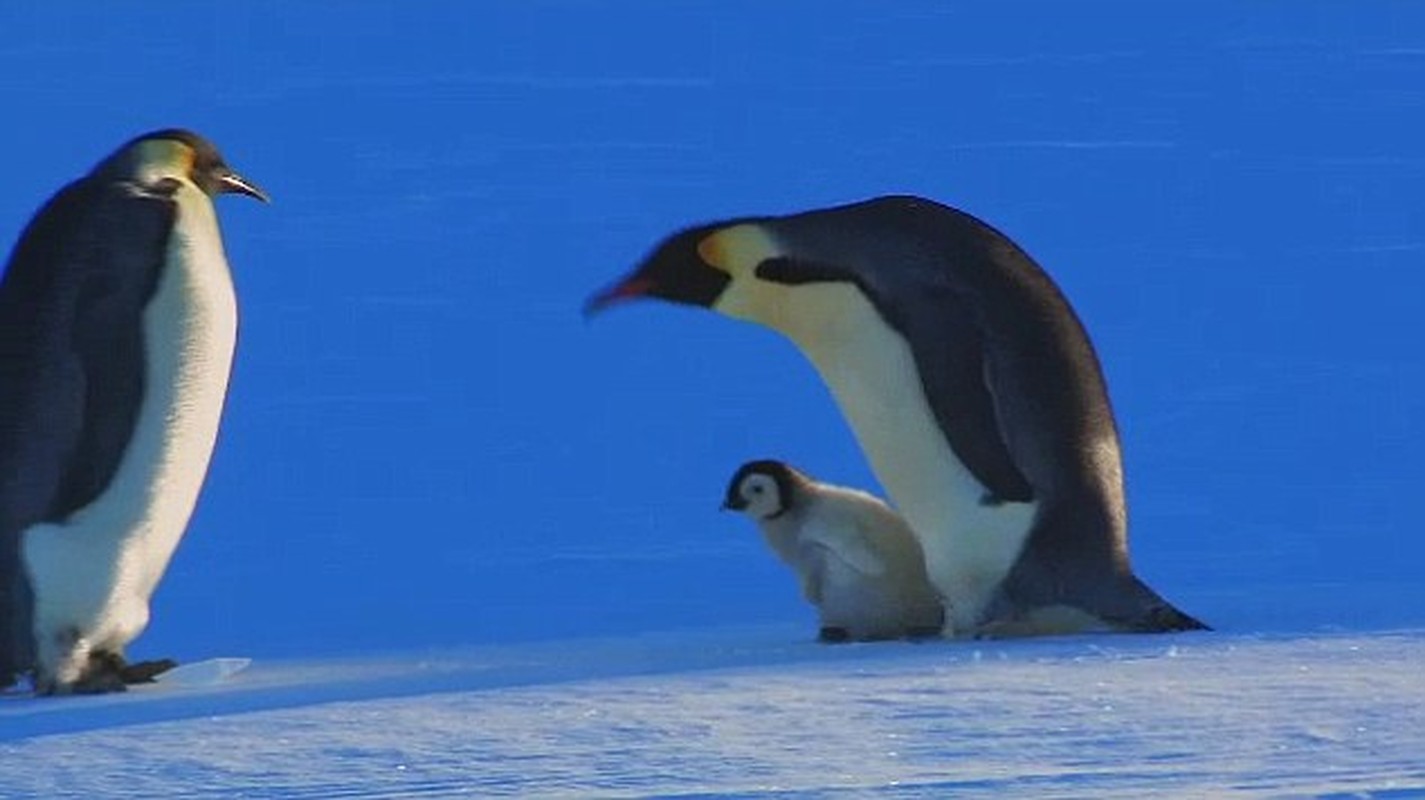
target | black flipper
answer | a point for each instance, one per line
(947, 348)
(71, 366)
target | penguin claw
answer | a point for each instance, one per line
(924, 634)
(146, 671)
(99, 683)
(108, 672)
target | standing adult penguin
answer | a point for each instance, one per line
(118, 321)
(971, 387)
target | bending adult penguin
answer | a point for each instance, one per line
(118, 322)
(971, 387)
(857, 561)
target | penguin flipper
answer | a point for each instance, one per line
(812, 575)
(846, 542)
(41, 386)
(71, 304)
(947, 346)
(125, 251)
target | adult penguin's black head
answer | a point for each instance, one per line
(737, 267)
(678, 270)
(175, 150)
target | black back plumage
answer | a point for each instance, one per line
(952, 285)
(71, 365)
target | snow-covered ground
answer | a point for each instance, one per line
(746, 713)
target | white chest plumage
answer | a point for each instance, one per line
(969, 547)
(93, 575)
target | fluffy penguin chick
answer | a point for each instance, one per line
(857, 560)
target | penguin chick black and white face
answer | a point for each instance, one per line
(175, 152)
(763, 489)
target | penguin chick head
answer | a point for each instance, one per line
(175, 152)
(764, 489)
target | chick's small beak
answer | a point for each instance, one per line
(233, 183)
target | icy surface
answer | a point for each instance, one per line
(742, 713)
(203, 673)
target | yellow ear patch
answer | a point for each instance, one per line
(739, 249)
(167, 156)
(710, 251)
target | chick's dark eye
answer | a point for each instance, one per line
(756, 489)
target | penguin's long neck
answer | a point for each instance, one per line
(868, 366)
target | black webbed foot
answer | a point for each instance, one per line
(146, 671)
(922, 634)
(832, 635)
(102, 676)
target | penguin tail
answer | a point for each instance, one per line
(1166, 619)
(1156, 615)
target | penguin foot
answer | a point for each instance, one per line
(108, 672)
(833, 635)
(922, 634)
(99, 683)
(1057, 620)
(99, 676)
(146, 671)
(103, 675)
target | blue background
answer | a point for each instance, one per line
(426, 445)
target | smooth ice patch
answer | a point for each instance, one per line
(203, 673)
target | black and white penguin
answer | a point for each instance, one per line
(118, 321)
(971, 387)
(857, 561)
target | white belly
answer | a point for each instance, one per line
(94, 574)
(969, 547)
(864, 606)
